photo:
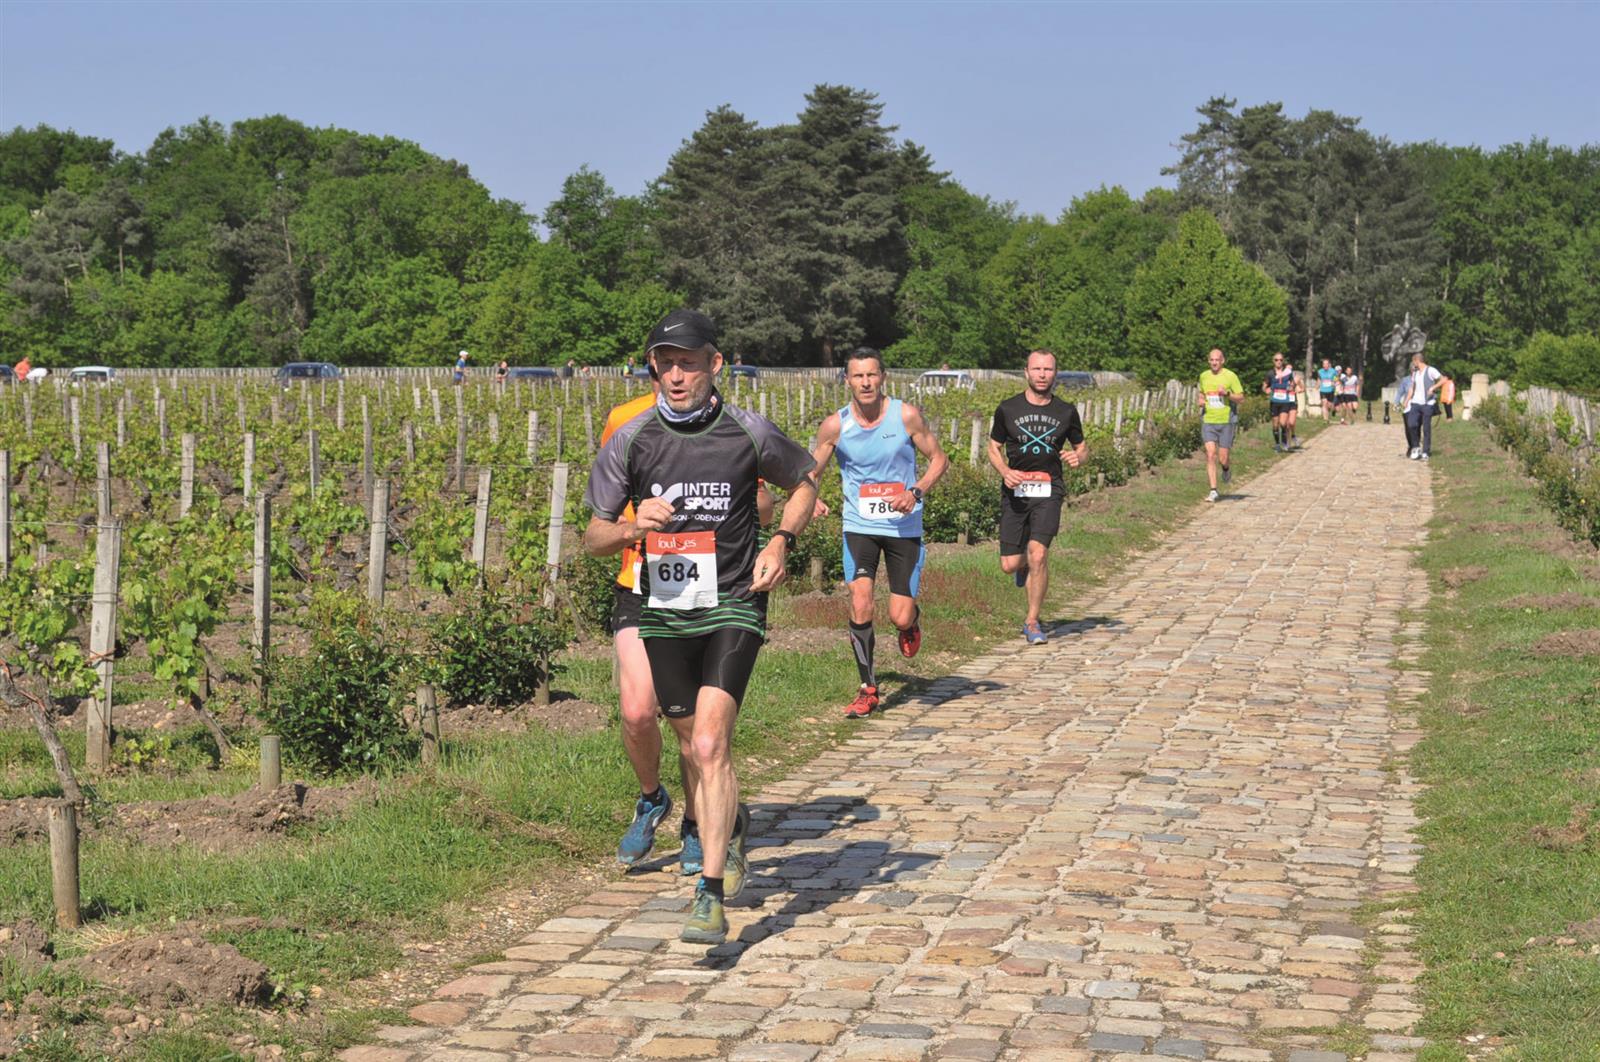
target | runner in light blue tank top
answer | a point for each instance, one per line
(882, 460)
(877, 440)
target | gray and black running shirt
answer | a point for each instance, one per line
(710, 473)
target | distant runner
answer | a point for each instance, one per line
(690, 467)
(1327, 388)
(1282, 387)
(1349, 395)
(1025, 447)
(1220, 394)
(877, 440)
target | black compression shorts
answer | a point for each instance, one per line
(1024, 520)
(902, 556)
(723, 658)
(625, 609)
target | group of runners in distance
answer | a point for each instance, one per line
(679, 489)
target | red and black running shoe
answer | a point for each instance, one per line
(911, 641)
(866, 700)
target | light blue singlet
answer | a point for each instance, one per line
(883, 453)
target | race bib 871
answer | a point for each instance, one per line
(1033, 485)
(683, 569)
(874, 502)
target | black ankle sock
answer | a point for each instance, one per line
(657, 798)
(863, 642)
(690, 827)
(712, 885)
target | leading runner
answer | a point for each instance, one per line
(877, 440)
(690, 466)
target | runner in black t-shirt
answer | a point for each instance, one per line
(691, 467)
(1025, 447)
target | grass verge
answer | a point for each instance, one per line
(1509, 910)
(517, 809)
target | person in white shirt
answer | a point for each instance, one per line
(1419, 399)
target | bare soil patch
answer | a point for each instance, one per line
(1458, 577)
(25, 944)
(1554, 602)
(176, 969)
(1575, 834)
(564, 714)
(1575, 643)
(213, 823)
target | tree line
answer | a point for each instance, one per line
(269, 241)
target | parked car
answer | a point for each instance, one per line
(8, 375)
(1074, 381)
(94, 374)
(749, 372)
(306, 370)
(532, 372)
(641, 371)
(936, 381)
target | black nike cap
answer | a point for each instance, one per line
(688, 329)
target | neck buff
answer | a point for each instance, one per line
(694, 416)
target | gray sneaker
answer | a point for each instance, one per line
(1227, 473)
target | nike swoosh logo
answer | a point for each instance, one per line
(671, 327)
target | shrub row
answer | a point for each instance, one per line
(1554, 455)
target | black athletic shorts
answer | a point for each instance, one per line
(625, 608)
(723, 658)
(902, 556)
(1024, 520)
(1283, 407)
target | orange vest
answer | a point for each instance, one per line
(619, 416)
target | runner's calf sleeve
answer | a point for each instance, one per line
(863, 641)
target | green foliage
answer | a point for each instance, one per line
(337, 707)
(1566, 363)
(41, 609)
(1568, 479)
(1200, 293)
(495, 647)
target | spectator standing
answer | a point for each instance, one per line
(460, 373)
(1418, 398)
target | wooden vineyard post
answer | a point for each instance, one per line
(533, 434)
(249, 465)
(262, 594)
(77, 429)
(818, 574)
(428, 722)
(378, 546)
(438, 413)
(461, 447)
(103, 642)
(102, 481)
(411, 443)
(494, 425)
(122, 422)
(314, 452)
(416, 399)
(338, 408)
(762, 403)
(63, 818)
(588, 431)
(5, 513)
(366, 453)
(977, 437)
(480, 522)
(161, 420)
(271, 761)
(558, 520)
(186, 476)
(561, 433)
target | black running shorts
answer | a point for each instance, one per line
(723, 658)
(625, 609)
(902, 556)
(1024, 520)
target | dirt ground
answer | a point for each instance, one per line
(1574, 643)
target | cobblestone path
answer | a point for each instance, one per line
(1149, 838)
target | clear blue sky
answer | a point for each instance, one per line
(1034, 103)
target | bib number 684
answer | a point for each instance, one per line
(677, 571)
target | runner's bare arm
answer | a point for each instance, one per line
(927, 445)
(771, 563)
(606, 538)
(1077, 455)
(827, 442)
(997, 458)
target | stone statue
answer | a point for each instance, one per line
(1398, 346)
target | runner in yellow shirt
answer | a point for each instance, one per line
(1220, 391)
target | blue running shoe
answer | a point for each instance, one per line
(1034, 633)
(641, 835)
(690, 859)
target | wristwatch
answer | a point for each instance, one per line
(916, 492)
(787, 536)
